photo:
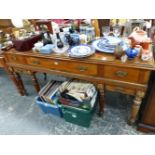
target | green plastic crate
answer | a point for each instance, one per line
(78, 116)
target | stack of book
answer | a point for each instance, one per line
(50, 91)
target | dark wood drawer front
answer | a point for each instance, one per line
(73, 67)
(123, 74)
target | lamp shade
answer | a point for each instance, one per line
(17, 22)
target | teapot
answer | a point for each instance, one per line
(139, 37)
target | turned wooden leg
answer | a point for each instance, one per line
(10, 72)
(101, 98)
(18, 77)
(15, 81)
(136, 106)
(35, 82)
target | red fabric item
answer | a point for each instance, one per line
(26, 44)
(58, 21)
(66, 21)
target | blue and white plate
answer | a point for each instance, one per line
(111, 40)
(80, 51)
(108, 44)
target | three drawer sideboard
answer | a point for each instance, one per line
(102, 69)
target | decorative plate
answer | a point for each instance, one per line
(80, 51)
(108, 44)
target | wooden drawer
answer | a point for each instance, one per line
(15, 58)
(38, 62)
(73, 67)
(122, 74)
(120, 89)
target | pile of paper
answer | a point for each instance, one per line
(78, 89)
(77, 93)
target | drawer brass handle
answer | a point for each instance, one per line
(121, 73)
(82, 68)
(35, 62)
(56, 63)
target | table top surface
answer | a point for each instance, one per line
(97, 58)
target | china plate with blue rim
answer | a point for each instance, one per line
(108, 44)
(80, 51)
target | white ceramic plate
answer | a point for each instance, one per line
(80, 51)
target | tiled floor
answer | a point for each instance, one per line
(20, 115)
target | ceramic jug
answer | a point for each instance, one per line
(138, 36)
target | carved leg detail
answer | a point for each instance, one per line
(18, 77)
(136, 106)
(101, 98)
(16, 82)
(35, 82)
